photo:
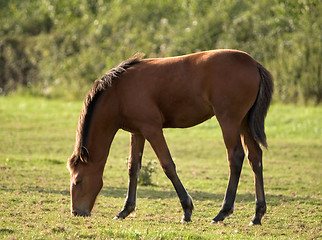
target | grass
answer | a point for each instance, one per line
(37, 137)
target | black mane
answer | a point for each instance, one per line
(100, 85)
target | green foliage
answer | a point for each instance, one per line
(58, 48)
(145, 175)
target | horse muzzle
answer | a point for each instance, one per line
(81, 213)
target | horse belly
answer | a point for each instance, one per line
(186, 113)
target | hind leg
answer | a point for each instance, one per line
(235, 154)
(254, 155)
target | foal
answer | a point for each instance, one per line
(143, 96)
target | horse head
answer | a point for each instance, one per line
(85, 182)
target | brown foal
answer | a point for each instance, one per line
(143, 96)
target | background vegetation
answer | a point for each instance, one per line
(57, 48)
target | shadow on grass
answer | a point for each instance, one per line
(154, 193)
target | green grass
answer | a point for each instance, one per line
(37, 136)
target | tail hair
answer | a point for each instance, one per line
(258, 112)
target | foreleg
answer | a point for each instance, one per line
(134, 165)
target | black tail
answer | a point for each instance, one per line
(258, 111)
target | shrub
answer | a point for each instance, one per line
(145, 175)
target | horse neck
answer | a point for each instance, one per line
(103, 127)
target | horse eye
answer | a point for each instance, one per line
(76, 162)
(78, 181)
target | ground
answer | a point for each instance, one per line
(37, 136)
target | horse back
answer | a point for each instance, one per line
(187, 90)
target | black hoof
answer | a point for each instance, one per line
(187, 215)
(222, 215)
(218, 218)
(125, 212)
(122, 215)
(185, 219)
(260, 211)
(255, 221)
(188, 207)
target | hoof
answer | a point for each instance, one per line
(188, 207)
(222, 215)
(216, 221)
(260, 211)
(123, 214)
(186, 219)
(127, 209)
(255, 221)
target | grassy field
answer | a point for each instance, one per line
(37, 137)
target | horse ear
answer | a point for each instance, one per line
(84, 155)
